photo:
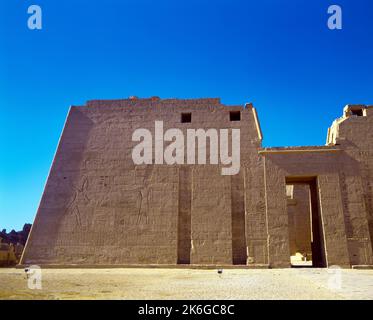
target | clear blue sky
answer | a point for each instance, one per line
(278, 54)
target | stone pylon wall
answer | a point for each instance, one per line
(99, 208)
(354, 134)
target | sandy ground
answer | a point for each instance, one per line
(189, 284)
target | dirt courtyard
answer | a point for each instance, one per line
(142, 283)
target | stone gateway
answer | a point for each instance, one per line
(286, 206)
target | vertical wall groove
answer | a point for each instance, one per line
(184, 219)
(239, 254)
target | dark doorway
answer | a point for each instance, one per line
(305, 229)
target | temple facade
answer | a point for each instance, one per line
(286, 206)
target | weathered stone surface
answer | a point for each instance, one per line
(99, 208)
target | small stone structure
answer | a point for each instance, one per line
(9, 254)
(100, 209)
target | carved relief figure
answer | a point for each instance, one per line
(79, 198)
(145, 195)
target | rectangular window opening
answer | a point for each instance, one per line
(234, 115)
(186, 117)
(358, 112)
